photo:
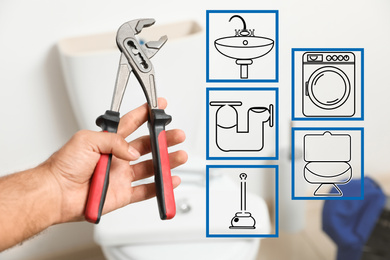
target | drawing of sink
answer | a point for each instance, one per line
(244, 47)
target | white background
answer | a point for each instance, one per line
(36, 117)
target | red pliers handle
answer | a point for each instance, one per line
(162, 170)
(157, 121)
(100, 178)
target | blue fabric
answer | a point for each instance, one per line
(350, 222)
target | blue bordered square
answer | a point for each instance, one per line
(229, 203)
(332, 149)
(225, 65)
(327, 84)
(238, 140)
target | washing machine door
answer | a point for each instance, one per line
(328, 87)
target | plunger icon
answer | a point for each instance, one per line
(243, 219)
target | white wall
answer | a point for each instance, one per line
(36, 118)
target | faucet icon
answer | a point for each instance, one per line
(244, 31)
(244, 46)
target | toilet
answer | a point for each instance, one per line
(136, 232)
(327, 156)
(89, 65)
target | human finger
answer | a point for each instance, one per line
(147, 191)
(106, 143)
(135, 118)
(145, 169)
(174, 137)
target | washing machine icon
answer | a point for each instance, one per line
(328, 84)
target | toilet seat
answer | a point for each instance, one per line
(328, 172)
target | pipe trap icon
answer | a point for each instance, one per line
(229, 138)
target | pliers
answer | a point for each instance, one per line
(135, 57)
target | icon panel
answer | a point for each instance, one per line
(239, 210)
(242, 123)
(324, 160)
(242, 45)
(327, 84)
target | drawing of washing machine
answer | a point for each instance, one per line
(328, 84)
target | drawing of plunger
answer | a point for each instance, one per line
(243, 219)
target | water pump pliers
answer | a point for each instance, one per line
(135, 58)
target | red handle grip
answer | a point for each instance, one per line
(166, 178)
(100, 178)
(98, 189)
(162, 170)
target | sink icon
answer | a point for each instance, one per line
(244, 47)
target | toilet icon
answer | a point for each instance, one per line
(327, 156)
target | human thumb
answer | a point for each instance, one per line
(112, 143)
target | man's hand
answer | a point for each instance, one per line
(56, 191)
(73, 165)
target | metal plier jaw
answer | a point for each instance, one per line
(139, 56)
(136, 58)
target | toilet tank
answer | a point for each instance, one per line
(327, 147)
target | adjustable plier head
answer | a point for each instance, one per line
(138, 55)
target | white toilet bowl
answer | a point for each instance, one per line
(136, 231)
(231, 249)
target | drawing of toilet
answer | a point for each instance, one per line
(327, 156)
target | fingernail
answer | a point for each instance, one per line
(133, 152)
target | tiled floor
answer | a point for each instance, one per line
(310, 243)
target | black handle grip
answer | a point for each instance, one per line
(109, 121)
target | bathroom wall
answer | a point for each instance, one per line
(37, 118)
